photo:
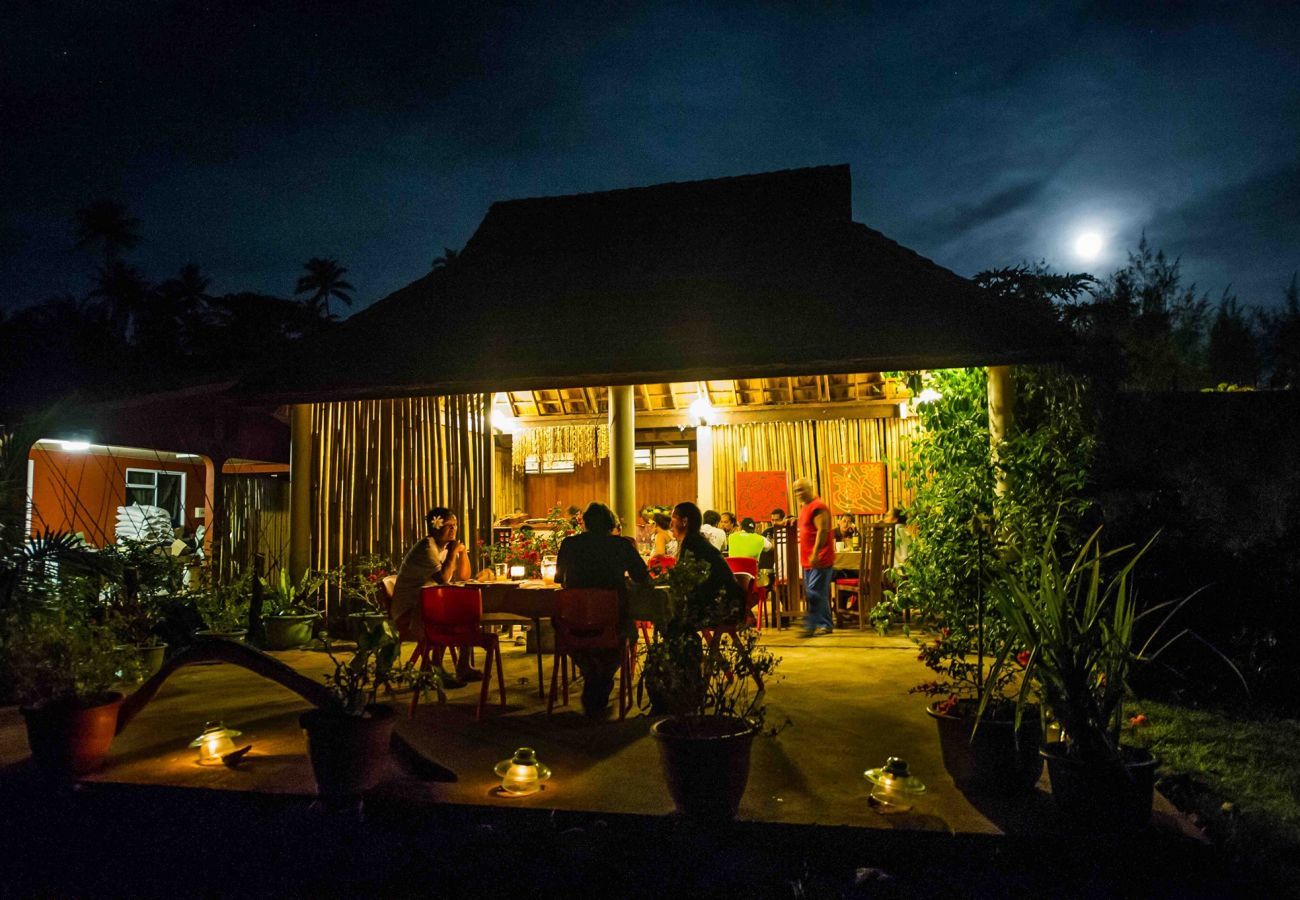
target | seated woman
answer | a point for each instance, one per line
(598, 558)
(844, 529)
(436, 559)
(665, 543)
(686, 522)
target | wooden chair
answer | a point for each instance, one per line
(787, 597)
(588, 619)
(875, 559)
(713, 634)
(452, 619)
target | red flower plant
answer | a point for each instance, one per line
(1023, 658)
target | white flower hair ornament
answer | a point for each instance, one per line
(435, 523)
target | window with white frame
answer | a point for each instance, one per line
(672, 457)
(642, 458)
(155, 487)
(555, 464)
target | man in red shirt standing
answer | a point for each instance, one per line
(817, 556)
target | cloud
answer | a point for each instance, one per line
(965, 217)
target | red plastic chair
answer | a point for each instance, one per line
(451, 620)
(749, 566)
(713, 634)
(587, 619)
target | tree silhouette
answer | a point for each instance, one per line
(106, 222)
(124, 296)
(1282, 340)
(1232, 354)
(447, 260)
(324, 279)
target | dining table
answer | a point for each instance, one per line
(511, 602)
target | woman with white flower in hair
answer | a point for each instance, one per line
(436, 559)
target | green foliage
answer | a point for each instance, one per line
(56, 654)
(361, 581)
(140, 581)
(682, 676)
(376, 664)
(963, 526)
(1240, 774)
(223, 605)
(284, 597)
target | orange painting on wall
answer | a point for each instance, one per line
(858, 488)
(758, 493)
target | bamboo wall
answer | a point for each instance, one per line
(379, 465)
(806, 448)
(256, 508)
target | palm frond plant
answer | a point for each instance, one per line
(282, 596)
(1080, 624)
(223, 604)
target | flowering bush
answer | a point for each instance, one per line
(361, 582)
(528, 545)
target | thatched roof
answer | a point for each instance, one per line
(729, 278)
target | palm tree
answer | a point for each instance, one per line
(107, 222)
(324, 279)
(447, 260)
(124, 295)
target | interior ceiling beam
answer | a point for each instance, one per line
(856, 409)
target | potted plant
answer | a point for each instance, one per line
(141, 580)
(347, 740)
(290, 609)
(708, 694)
(361, 591)
(1000, 756)
(223, 605)
(1078, 623)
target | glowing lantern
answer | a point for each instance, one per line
(548, 568)
(893, 787)
(517, 572)
(214, 743)
(522, 773)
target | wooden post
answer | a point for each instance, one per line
(1002, 413)
(300, 487)
(622, 456)
(704, 466)
(213, 512)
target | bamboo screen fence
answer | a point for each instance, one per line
(256, 510)
(379, 465)
(805, 448)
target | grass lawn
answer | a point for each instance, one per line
(1240, 774)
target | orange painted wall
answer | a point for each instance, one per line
(591, 482)
(82, 491)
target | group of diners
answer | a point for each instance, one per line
(600, 557)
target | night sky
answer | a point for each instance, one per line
(249, 136)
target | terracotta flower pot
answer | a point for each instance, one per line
(706, 763)
(70, 738)
(994, 762)
(348, 753)
(1113, 796)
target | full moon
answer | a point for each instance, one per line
(1087, 246)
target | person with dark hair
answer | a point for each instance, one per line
(437, 558)
(598, 558)
(665, 544)
(902, 536)
(817, 556)
(744, 541)
(778, 520)
(574, 515)
(686, 523)
(712, 533)
(728, 523)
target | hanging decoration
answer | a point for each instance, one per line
(585, 443)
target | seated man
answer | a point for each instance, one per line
(728, 523)
(711, 532)
(745, 542)
(436, 559)
(597, 558)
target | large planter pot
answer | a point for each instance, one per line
(233, 634)
(360, 622)
(347, 753)
(151, 658)
(998, 760)
(68, 739)
(1102, 796)
(289, 631)
(706, 763)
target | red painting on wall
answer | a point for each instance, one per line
(758, 493)
(858, 488)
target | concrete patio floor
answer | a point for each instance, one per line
(846, 696)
